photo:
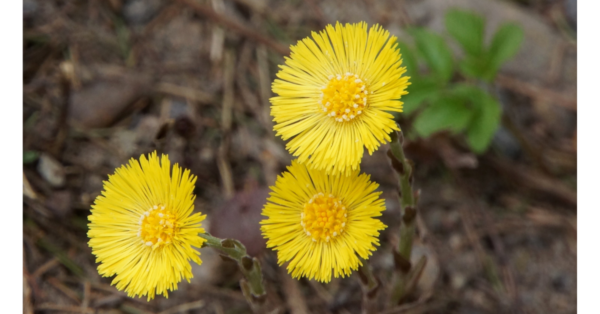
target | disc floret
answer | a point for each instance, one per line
(158, 226)
(344, 98)
(324, 217)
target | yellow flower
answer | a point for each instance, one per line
(142, 228)
(320, 222)
(336, 92)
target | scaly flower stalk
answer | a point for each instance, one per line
(252, 284)
(404, 170)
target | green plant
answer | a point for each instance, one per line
(461, 104)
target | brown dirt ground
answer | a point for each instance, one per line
(105, 81)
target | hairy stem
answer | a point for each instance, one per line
(252, 285)
(404, 170)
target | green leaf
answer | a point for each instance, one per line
(473, 67)
(485, 122)
(30, 156)
(445, 113)
(409, 60)
(505, 45)
(468, 92)
(467, 28)
(421, 90)
(436, 53)
(486, 115)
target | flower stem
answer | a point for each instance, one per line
(408, 210)
(252, 284)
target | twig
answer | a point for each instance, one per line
(218, 34)
(185, 92)
(226, 121)
(62, 128)
(556, 63)
(235, 26)
(30, 285)
(295, 300)
(420, 306)
(248, 97)
(370, 287)
(218, 307)
(27, 189)
(109, 299)
(62, 257)
(86, 297)
(535, 181)
(556, 14)
(183, 308)
(27, 304)
(61, 308)
(167, 14)
(127, 308)
(323, 293)
(537, 92)
(220, 292)
(45, 267)
(64, 289)
(534, 152)
(258, 6)
(113, 290)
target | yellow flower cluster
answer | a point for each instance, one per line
(335, 94)
(334, 98)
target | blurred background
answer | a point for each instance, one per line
(490, 124)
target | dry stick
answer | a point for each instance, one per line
(29, 281)
(61, 308)
(252, 284)
(56, 283)
(85, 303)
(45, 267)
(293, 295)
(535, 181)
(183, 308)
(235, 26)
(408, 223)
(370, 287)
(566, 99)
(226, 123)
(62, 128)
(190, 93)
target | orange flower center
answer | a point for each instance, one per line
(344, 98)
(158, 226)
(323, 217)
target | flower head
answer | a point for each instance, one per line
(319, 223)
(142, 228)
(335, 95)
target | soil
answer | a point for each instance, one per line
(105, 81)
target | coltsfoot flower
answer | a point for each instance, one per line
(335, 94)
(322, 223)
(142, 228)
